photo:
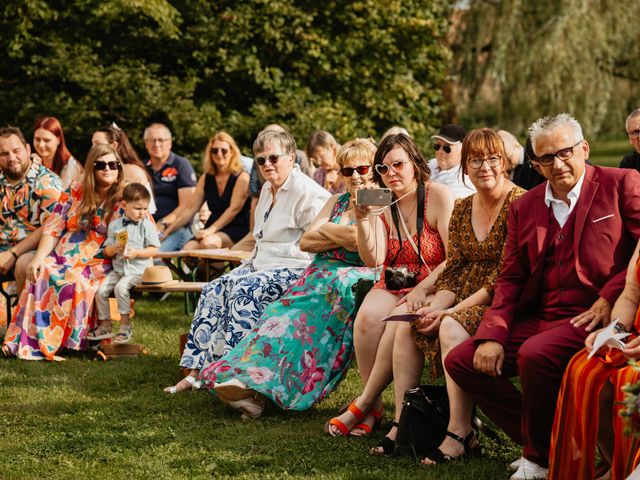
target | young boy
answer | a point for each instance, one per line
(131, 240)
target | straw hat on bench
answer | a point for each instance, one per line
(157, 276)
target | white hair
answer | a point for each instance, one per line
(156, 125)
(544, 125)
(632, 115)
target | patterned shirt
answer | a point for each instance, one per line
(25, 206)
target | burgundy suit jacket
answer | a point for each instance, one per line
(606, 231)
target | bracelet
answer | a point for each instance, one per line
(15, 255)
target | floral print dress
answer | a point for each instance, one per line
(54, 312)
(301, 347)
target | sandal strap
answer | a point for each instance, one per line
(359, 414)
(458, 438)
(340, 426)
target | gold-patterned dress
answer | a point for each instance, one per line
(471, 265)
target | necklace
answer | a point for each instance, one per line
(493, 210)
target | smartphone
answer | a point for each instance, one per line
(379, 197)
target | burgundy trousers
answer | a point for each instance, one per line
(538, 351)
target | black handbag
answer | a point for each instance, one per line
(360, 290)
(423, 421)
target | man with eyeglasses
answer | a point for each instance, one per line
(568, 245)
(632, 125)
(445, 167)
(174, 182)
(28, 193)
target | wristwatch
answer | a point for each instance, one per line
(619, 328)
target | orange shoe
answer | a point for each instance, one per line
(344, 430)
(377, 417)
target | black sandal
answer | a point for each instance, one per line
(438, 457)
(387, 445)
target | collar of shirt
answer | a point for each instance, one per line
(31, 175)
(295, 171)
(171, 159)
(573, 195)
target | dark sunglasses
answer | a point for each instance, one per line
(273, 159)
(100, 165)
(223, 151)
(361, 169)
(446, 148)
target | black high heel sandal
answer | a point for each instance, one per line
(438, 457)
(387, 445)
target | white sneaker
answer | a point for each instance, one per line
(530, 471)
(516, 465)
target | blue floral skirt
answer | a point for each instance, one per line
(229, 308)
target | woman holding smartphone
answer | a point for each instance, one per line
(417, 222)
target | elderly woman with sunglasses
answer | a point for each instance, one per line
(55, 307)
(302, 345)
(230, 305)
(225, 188)
(410, 238)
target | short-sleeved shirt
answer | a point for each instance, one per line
(26, 206)
(140, 235)
(176, 173)
(452, 178)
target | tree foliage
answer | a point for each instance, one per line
(351, 67)
(519, 60)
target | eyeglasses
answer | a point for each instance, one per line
(492, 161)
(634, 134)
(385, 169)
(564, 155)
(361, 169)
(446, 148)
(223, 151)
(100, 165)
(151, 141)
(273, 159)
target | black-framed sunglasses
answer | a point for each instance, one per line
(564, 154)
(446, 148)
(223, 151)
(100, 165)
(361, 169)
(273, 159)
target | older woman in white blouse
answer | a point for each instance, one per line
(230, 305)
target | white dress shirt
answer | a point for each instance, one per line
(560, 209)
(452, 178)
(277, 232)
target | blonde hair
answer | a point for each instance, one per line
(358, 148)
(90, 202)
(235, 165)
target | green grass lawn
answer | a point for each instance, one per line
(85, 418)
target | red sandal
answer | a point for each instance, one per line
(377, 416)
(344, 431)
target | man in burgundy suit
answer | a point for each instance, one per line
(569, 242)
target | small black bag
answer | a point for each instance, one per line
(423, 421)
(360, 290)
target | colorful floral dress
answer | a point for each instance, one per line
(302, 345)
(54, 312)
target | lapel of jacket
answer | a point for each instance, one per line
(541, 217)
(587, 194)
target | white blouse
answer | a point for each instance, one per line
(277, 232)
